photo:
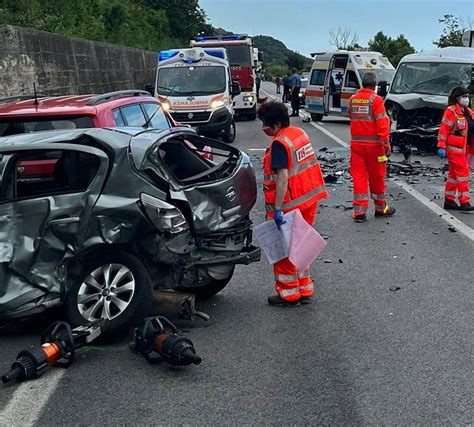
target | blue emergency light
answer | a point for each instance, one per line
(230, 37)
(167, 54)
(217, 53)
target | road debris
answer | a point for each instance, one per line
(452, 230)
(395, 288)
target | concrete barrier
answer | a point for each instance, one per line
(67, 65)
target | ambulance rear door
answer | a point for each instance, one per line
(334, 84)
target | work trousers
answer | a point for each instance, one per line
(368, 172)
(278, 88)
(286, 93)
(295, 101)
(457, 184)
(290, 283)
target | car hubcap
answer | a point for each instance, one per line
(106, 292)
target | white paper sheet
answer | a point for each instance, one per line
(273, 241)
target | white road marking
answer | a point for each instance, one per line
(443, 214)
(256, 149)
(26, 403)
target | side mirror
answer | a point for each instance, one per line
(382, 88)
(260, 56)
(235, 89)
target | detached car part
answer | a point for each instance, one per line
(58, 348)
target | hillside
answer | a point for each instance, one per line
(276, 53)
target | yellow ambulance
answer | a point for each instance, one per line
(336, 76)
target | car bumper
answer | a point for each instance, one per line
(219, 121)
(248, 255)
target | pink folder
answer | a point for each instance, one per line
(305, 243)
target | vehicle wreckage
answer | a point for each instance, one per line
(96, 218)
(419, 92)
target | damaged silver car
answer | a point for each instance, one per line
(97, 218)
(419, 92)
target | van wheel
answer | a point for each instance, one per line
(229, 134)
(211, 289)
(114, 287)
(317, 117)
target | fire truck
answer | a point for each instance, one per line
(243, 58)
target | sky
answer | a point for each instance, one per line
(304, 25)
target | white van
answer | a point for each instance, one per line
(419, 92)
(195, 86)
(336, 76)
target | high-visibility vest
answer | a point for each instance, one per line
(452, 134)
(369, 121)
(305, 178)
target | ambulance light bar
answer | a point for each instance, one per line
(230, 37)
(216, 53)
(167, 54)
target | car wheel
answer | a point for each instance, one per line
(229, 134)
(114, 287)
(211, 289)
(317, 117)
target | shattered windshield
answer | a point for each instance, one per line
(434, 78)
(191, 81)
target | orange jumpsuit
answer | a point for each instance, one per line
(452, 137)
(370, 133)
(305, 188)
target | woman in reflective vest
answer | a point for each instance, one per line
(452, 142)
(292, 180)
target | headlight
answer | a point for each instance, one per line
(248, 98)
(219, 103)
(165, 106)
(301, 94)
(165, 217)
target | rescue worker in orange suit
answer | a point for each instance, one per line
(452, 142)
(370, 146)
(292, 180)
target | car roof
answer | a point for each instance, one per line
(115, 138)
(445, 54)
(84, 105)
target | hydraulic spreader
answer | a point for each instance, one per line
(58, 348)
(158, 340)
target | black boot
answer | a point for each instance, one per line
(466, 207)
(276, 301)
(451, 205)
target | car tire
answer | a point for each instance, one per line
(131, 278)
(317, 117)
(210, 290)
(229, 134)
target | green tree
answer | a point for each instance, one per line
(186, 18)
(393, 49)
(452, 31)
(295, 60)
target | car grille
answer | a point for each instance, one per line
(197, 116)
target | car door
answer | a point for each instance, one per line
(44, 218)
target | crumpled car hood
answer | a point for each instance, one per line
(412, 101)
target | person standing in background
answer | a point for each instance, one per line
(286, 88)
(295, 92)
(278, 83)
(258, 81)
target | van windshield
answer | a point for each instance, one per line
(191, 81)
(382, 75)
(431, 78)
(239, 55)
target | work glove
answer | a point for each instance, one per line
(442, 153)
(278, 218)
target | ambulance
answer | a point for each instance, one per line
(195, 87)
(336, 76)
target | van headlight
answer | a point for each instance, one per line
(166, 218)
(218, 103)
(248, 98)
(165, 106)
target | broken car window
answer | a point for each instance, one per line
(49, 172)
(432, 78)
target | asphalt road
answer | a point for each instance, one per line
(362, 354)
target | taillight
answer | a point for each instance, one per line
(167, 218)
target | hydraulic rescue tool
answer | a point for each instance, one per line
(158, 335)
(58, 348)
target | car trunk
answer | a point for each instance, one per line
(216, 194)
